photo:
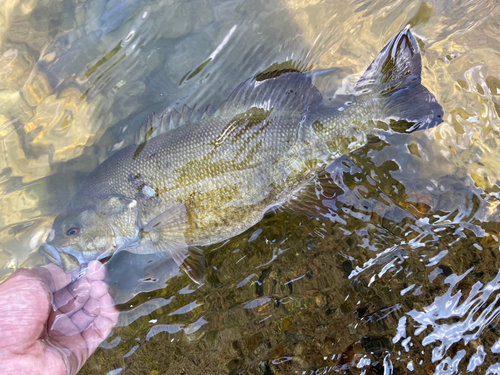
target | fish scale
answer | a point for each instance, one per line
(211, 179)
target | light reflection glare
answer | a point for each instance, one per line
(398, 274)
(476, 311)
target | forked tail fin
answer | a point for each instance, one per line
(393, 81)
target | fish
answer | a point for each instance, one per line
(197, 178)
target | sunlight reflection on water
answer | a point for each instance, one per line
(402, 272)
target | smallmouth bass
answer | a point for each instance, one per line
(216, 176)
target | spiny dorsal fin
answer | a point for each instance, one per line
(290, 92)
(168, 120)
(277, 69)
(174, 118)
(185, 115)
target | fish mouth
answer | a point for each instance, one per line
(105, 259)
(68, 262)
(72, 265)
(49, 252)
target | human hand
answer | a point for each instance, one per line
(49, 326)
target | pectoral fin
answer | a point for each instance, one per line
(165, 235)
(174, 218)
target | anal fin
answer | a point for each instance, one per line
(316, 199)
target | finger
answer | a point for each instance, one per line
(96, 271)
(65, 336)
(81, 313)
(74, 343)
(82, 319)
(62, 300)
(80, 288)
(92, 306)
(60, 279)
(103, 323)
(97, 332)
(98, 289)
(82, 345)
(73, 297)
(62, 325)
(108, 309)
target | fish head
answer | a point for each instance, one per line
(94, 232)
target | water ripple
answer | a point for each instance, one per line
(453, 318)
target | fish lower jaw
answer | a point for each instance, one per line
(49, 252)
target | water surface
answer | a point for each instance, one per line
(402, 274)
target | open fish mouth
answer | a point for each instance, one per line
(105, 260)
(50, 253)
(68, 262)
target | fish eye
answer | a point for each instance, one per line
(73, 231)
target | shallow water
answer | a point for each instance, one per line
(402, 276)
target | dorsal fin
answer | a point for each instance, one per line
(168, 120)
(278, 69)
(291, 92)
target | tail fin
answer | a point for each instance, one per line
(393, 80)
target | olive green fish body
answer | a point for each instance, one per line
(226, 173)
(215, 177)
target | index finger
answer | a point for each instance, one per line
(96, 271)
(59, 277)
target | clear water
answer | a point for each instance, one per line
(401, 277)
